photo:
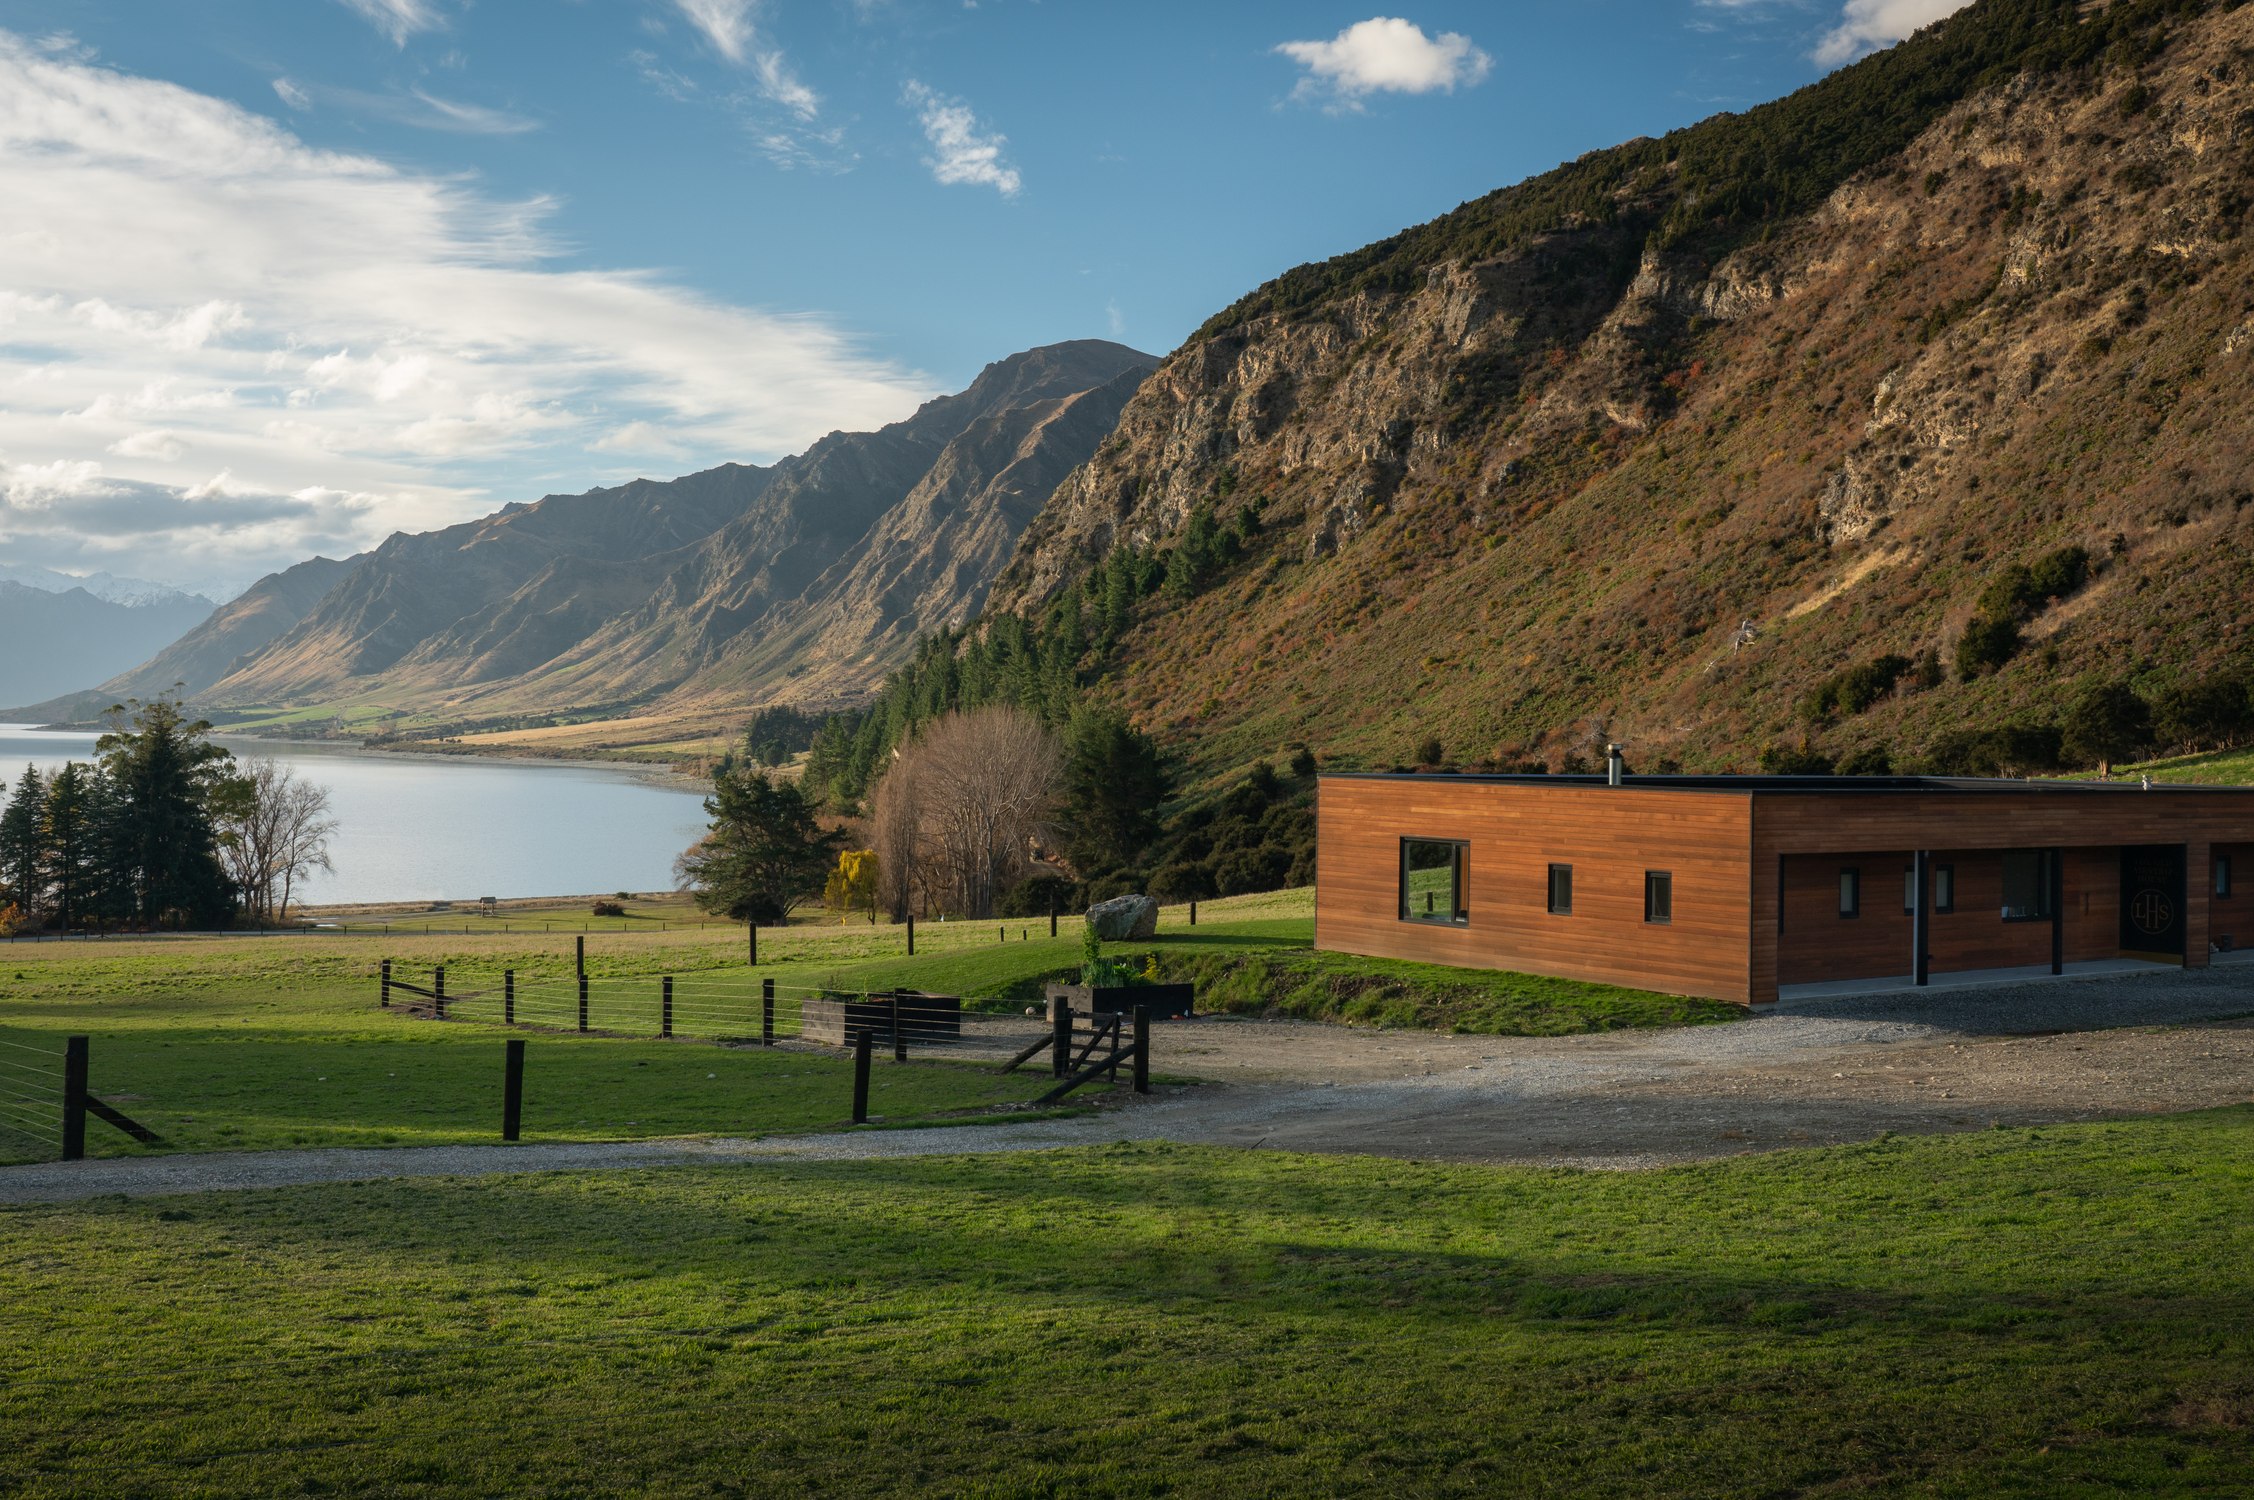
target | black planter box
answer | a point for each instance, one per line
(1164, 1000)
(923, 1018)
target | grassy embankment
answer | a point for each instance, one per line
(2027, 1312)
(2218, 768)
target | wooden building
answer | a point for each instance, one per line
(1756, 888)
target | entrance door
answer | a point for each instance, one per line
(2152, 899)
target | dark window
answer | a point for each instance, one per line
(2222, 875)
(1561, 890)
(1944, 887)
(1659, 896)
(1909, 891)
(2027, 884)
(1432, 881)
(1850, 893)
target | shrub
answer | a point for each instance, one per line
(2007, 750)
(1987, 643)
(1849, 692)
(2105, 722)
(608, 909)
(1871, 760)
(1801, 760)
(2205, 714)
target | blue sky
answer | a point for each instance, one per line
(308, 271)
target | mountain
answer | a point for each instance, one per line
(713, 592)
(57, 641)
(104, 586)
(1939, 371)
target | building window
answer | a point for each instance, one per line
(1850, 893)
(2222, 875)
(2027, 884)
(1432, 882)
(1909, 891)
(1561, 890)
(1944, 887)
(1659, 896)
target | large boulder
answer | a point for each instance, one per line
(1124, 918)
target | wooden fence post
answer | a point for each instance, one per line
(1142, 1049)
(861, 1077)
(579, 965)
(754, 928)
(385, 993)
(1060, 1036)
(508, 997)
(665, 1022)
(899, 1031)
(74, 1099)
(512, 1087)
(1052, 908)
(582, 1002)
(911, 934)
(1193, 911)
(438, 991)
(766, 1012)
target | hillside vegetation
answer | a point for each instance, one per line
(1908, 407)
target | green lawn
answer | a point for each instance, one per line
(2062, 1311)
(2220, 768)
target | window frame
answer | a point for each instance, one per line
(1943, 879)
(1850, 891)
(1659, 881)
(2046, 878)
(1566, 870)
(1461, 915)
(2223, 888)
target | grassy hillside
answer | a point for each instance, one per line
(2027, 1312)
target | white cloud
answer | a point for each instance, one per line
(960, 151)
(1867, 25)
(397, 19)
(290, 94)
(199, 287)
(1385, 55)
(472, 119)
(728, 26)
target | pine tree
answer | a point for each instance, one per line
(23, 882)
(69, 844)
(166, 770)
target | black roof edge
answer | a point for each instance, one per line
(1786, 784)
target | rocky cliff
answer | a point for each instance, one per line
(1651, 446)
(723, 589)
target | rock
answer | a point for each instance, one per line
(1124, 918)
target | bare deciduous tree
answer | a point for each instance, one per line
(959, 812)
(274, 832)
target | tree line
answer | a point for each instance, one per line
(162, 828)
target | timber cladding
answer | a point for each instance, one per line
(1513, 834)
(1753, 868)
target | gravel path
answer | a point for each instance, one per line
(1837, 1071)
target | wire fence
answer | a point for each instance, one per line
(31, 1097)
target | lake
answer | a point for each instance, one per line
(454, 829)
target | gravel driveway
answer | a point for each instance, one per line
(1838, 1071)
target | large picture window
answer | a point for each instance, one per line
(2027, 884)
(1432, 882)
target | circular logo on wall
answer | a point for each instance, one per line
(2152, 913)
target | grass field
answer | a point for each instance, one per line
(2220, 768)
(2009, 1313)
(248, 1042)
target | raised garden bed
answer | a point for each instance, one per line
(923, 1018)
(1165, 1000)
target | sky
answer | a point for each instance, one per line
(282, 277)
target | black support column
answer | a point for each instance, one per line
(1921, 920)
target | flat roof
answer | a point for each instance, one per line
(1798, 785)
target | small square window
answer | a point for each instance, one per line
(2222, 875)
(1561, 890)
(1659, 896)
(1850, 893)
(1432, 882)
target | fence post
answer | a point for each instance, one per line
(385, 993)
(1142, 1049)
(754, 929)
(766, 1012)
(1060, 1036)
(438, 991)
(1193, 911)
(583, 1002)
(508, 997)
(911, 934)
(899, 1031)
(1052, 908)
(861, 1077)
(74, 1099)
(512, 1087)
(579, 965)
(665, 1023)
